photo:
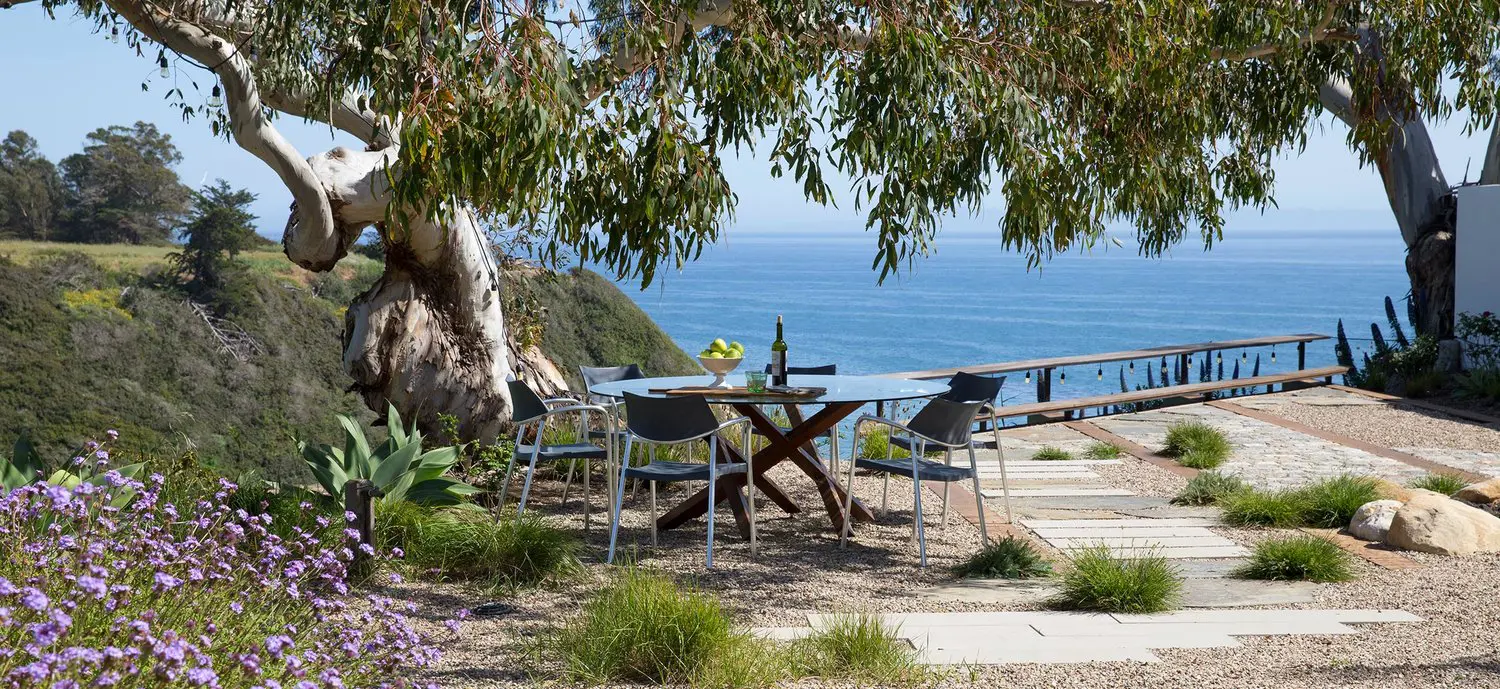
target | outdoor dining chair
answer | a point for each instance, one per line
(529, 409)
(832, 435)
(678, 421)
(963, 387)
(610, 432)
(945, 423)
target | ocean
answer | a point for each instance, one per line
(972, 302)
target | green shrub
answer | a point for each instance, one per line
(644, 628)
(1007, 558)
(1330, 503)
(1049, 453)
(855, 647)
(470, 545)
(874, 443)
(1209, 488)
(1196, 444)
(1425, 384)
(1444, 483)
(1255, 508)
(1102, 582)
(1480, 384)
(1103, 450)
(1307, 558)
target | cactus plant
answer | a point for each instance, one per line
(397, 467)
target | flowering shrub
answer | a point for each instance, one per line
(1481, 336)
(147, 594)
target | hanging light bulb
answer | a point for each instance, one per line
(166, 70)
(114, 34)
(1028, 377)
(1101, 371)
(1063, 378)
(1244, 356)
(1273, 354)
(1132, 367)
(1219, 359)
(215, 100)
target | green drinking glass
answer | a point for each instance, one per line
(755, 382)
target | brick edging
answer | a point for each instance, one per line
(1138, 451)
(1346, 441)
(1388, 559)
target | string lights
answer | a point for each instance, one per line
(166, 70)
(1063, 378)
(1101, 371)
(1273, 354)
(114, 34)
(1028, 377)
(215, 100)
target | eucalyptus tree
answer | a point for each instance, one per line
(599, 129)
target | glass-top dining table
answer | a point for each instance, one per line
(843, 396)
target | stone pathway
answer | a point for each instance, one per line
(1175, 539)
(1265, 455)
(1062, 637)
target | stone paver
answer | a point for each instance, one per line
(1265, 454)
(1175, 539)
(1205, 592)
(1487, 463)
(1058, 492)
(1061, 637)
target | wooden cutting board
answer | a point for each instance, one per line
(789, 393)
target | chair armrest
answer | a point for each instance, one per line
(734, 422)
(559, 400)
(566, 410)
(871, 418)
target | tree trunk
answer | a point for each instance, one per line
(429, 336)
(1421, 201)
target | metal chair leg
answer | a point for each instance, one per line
(947, 459)
(885, 486)
(984, 532)
(509, 467)
(587, 496)
(653, 513)
(536, 451)
(750, 490)
(568, 482)
(713, 480)
(1004, 483)
(614, 527)
(916, 487)
(848, 529)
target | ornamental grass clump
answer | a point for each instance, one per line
(1298, 558)
(644, 628)
(150, 594)
(1007, 558)
(856, 647)
(1049, 453)
(1444, 483)
(1330, 503)
(1196, 444)
(471, 545)
(1281, 509)
(1209, 488)
(1103, 582)
(1102, 450)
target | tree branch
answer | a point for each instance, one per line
(1490, 173)
(313, 238)
(1318, 34)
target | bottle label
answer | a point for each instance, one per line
(778, 368)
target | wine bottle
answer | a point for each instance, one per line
(778, 357)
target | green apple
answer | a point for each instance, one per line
(733, 354)
(737, 346)
(718, 345)
(713, 355)
(705, 353)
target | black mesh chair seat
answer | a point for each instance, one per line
(667, 472)
(927, 469)
(552, 453)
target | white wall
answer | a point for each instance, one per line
(1476, 286)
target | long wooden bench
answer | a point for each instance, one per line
(1191, 390)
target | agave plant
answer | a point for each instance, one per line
(397, 467)
(25, 467)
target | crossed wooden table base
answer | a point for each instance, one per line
(795, 446)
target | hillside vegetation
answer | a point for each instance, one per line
(92, 338)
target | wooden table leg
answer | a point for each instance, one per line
(781, 447)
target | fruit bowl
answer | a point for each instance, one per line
(720, 367)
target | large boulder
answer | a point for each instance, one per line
(1434, 523)
(1392, 491)
(1482, 493)
(1373, 519)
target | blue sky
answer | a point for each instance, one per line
(62, 81)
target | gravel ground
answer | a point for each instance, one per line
(801, 569)
(1392, 426)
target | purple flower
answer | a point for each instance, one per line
(166, 582)
(34, 599)
(93, 586)
(112, 434)
(202, 677)
(277, 644)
